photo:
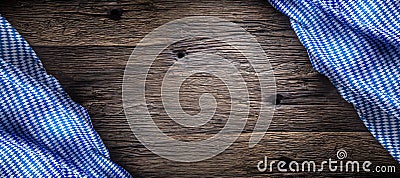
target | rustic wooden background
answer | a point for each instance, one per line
(86, 44)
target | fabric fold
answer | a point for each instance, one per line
(43, 133)
(356, 44)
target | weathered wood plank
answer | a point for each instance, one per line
(70, 23)
(103, 67)
(286, 118)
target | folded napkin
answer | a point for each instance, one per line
(43, 133)
(356, 44)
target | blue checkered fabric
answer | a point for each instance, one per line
(43, 133)
(356, 44)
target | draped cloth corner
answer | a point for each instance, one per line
(356, 44)
(43, 133)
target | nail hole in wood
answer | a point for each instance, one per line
(181, 54)
(276, 99)
(115, 14)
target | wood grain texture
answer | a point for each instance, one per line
(86, 45)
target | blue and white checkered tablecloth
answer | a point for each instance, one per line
(356, 44)
(43, 133)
